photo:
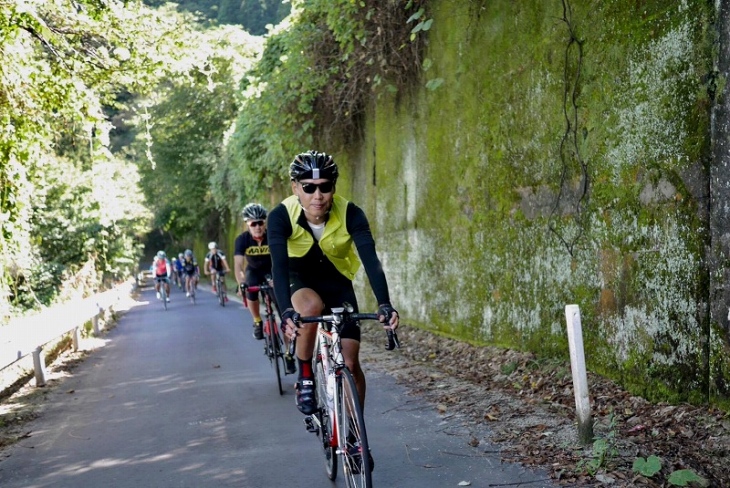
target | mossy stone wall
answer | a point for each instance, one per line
(564, 158)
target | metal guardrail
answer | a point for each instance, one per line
(30, 336)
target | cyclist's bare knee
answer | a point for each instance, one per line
(307, 302)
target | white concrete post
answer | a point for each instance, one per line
(39, 365)
(76, 338)
(95, 320)
(580, 377)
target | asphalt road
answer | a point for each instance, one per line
(186, 398)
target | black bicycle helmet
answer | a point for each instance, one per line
(254, 211)
(313, 165)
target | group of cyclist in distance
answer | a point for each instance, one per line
(312, 243)
(184, 268)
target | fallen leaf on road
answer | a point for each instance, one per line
(465, 483)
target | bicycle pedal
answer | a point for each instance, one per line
(309, 423)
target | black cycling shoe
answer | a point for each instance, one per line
(306, 402)
(291, 366)
(258, 334)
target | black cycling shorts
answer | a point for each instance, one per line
(333, 292)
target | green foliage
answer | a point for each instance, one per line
(315, 78)
(686, 477)
(180, 150)
(647, 467)
(65, 200)
(253, 15)
(604, 452)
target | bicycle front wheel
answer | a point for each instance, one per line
(273, 349)
(163, 295)
(352, 436)
(324, 413)
(221, 294)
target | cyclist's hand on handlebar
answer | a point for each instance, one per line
(388, 316)
(289, 320)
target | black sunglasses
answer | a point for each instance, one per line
(310, 188)
(256, 223)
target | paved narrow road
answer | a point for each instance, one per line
(186, 398)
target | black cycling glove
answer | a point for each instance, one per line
(386, 310)
(289, 313)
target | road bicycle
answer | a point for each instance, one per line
(190, 288)
(273, 343)
(220, 282)
(339, 422)
(163, 291)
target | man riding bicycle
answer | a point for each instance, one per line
(190, 270)
(252, 263)
(311, 236)
(215, 264)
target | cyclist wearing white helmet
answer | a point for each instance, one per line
(163, 270)
(215, 264)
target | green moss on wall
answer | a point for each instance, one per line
(545, 172)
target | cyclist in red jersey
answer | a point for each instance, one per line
(162, 269)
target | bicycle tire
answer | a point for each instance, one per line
(276, 355)
(221, 293)
(324, 415)
(352, 435)
(163, 295)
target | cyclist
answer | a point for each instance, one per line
(174, 274)
(252, 263)
(163, 270)
(215, 264)
(251, 259)
(311, 236)
(191, 271)
(179, 269)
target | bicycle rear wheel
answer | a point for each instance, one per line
(352, 436)
(324, 412)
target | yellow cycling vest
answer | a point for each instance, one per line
(336, 243)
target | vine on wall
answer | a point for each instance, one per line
(570, 142)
